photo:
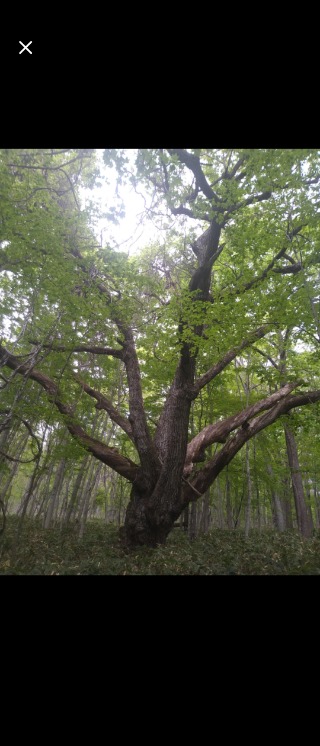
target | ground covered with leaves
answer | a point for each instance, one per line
(29, 549)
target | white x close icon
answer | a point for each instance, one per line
(25, 47)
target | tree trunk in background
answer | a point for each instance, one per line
(220, 513)
(307, 492)
(193, 521)
(112, 486)
(230, 523)
(278, 513)
(260, 515)
(86, 487)
(316, 501)
(204, 523)
(305, 524)
(185, 519)
(6, 489)
(67, 486)
(76, 491)
(90, 492)
(120, 503)
(256, 482)
(42, 489)
(286, 502)
(238, 508)
(249, 494)
(279, 517)
(18, 447)
(53, 498)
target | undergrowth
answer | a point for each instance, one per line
(59, 551)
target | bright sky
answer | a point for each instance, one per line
(133, 232)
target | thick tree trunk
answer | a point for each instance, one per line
(152, 512)
(143, 524)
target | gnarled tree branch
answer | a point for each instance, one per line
(107, 455)
(219, 432)
(227, 358)
(104, 403)
(80, 348)
(204, 478)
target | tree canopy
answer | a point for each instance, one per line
(165, 363)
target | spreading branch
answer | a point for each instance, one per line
(10, 415)
(249, 201)
(107, 455)
(182, 210)
(193, 164)
(231, 174)
(79, 348)
(204, 478)
(219, 432)
(137, 418)
(290, 269)
(104, 403)
(227, 358)
(270, 266)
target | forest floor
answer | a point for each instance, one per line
(60, 551)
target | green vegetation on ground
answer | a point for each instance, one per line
(60, 551)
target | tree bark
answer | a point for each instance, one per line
(204, 523)
(279, 517)
(303, 517)
(230, 521)
(53, 497)
(193, 522)
(249, 494)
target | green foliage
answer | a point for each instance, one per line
(60, 552)
(50, 296)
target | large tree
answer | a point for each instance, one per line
(238, 264)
